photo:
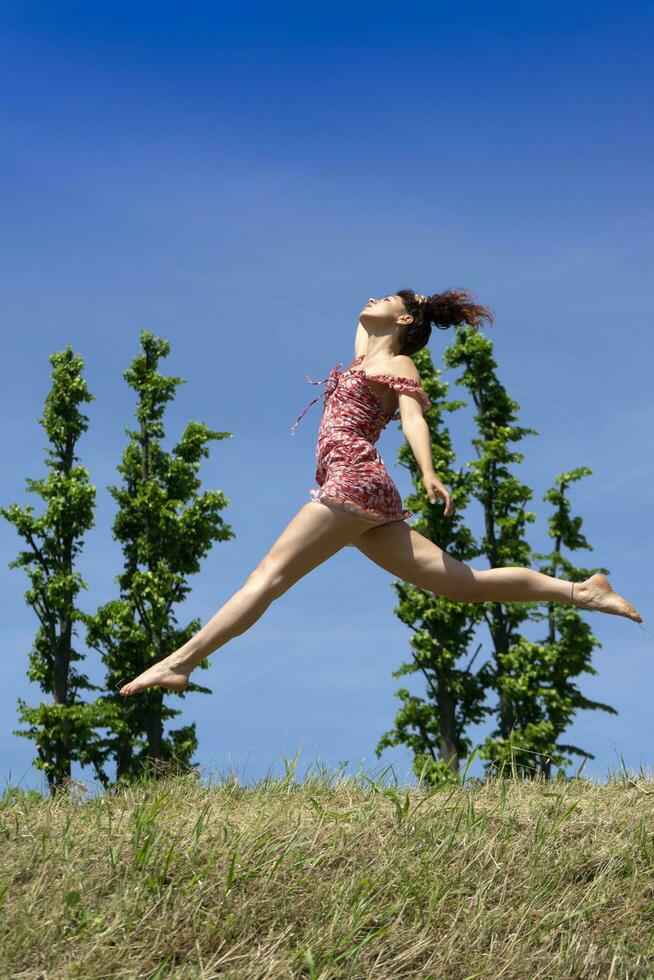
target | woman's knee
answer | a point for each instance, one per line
(267, 581)
(462, 586)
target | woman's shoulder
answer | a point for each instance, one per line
(404, 367)
(400, 367)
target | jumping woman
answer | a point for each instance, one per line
(356, 502)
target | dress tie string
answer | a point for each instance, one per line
(330, 383)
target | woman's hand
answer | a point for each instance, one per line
(435, 488)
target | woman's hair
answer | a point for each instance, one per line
(447, 309)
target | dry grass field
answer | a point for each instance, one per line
(331, 878)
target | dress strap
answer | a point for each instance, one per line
(405, 386)
(330, 384)
(356, 360)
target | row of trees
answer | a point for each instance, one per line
(166, 525)
(533, 682)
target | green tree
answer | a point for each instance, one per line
(536, 698)
(165, 526)
(503, 498)
(434, 726)
(63, 730)
(547, 698)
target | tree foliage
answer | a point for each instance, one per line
(532, 680)
(166, 525)
(435, 726)
(540, 676)
(63, 729)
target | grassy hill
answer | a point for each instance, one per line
(330, 878)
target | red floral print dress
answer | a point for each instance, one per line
(350, 472)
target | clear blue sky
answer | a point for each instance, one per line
(240, 181)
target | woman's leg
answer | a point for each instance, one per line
(316, 533)
(408, 555)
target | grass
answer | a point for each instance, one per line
(328, 878)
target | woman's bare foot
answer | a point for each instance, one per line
(166, 674)
(596, 593)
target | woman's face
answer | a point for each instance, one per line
(385, 310)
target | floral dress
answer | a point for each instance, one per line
(350, 472)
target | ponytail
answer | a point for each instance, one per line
(447, 309)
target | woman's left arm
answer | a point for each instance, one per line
(416, 433)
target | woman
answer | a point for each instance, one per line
(358, 503)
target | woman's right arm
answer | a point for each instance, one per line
(360, 340)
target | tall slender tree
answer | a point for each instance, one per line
(503, 498)
(434, 726)
(63, 729)
(165, 526)
(548, 697)
(536, 698)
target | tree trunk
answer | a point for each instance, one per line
(447, 722)
(61, 756)
(154, 730)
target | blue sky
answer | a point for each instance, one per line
(240, 181)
